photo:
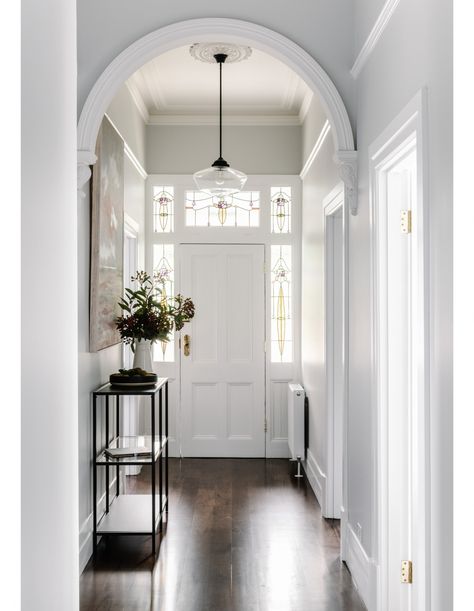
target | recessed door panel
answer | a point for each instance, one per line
(239, 298)
(239, 410)
(205, 411)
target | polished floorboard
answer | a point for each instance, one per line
(242, 535)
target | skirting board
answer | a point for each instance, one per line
(85, 532)
(317, 479)
(363, 569)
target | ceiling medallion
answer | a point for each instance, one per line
(206, 51)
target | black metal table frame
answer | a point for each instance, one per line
(108, 391)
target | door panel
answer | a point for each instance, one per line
(222, 379)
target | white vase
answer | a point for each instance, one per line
(142, 355)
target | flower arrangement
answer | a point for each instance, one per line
(146, 316)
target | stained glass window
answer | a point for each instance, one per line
(163, 209)
(239, 210)
(281, 209)
(163, 272)
(281, 298)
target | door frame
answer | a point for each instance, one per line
(407, 128)
(277, 374)
(334, 202)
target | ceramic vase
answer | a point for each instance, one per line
(142, 355)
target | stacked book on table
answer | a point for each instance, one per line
(140, 451)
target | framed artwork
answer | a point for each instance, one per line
(106, 266)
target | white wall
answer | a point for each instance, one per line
(94, 368)
(251, 149)
(49, 308)
(413, 52)
(323, 29)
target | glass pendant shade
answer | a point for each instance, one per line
(220, 180)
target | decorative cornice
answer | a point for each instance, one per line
(372, 39)
(347, 163)
(138, 100)
(128, 151)
(316, 148)
(308, 98)
(85, 159)
(240, 120)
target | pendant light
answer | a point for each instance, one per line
(220, 179)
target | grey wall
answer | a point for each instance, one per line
(253, 150)
(123, 111)
(414, 51)
(319, 182)
(49, 546)
(323, 29)
(95, 367)
(311, 128)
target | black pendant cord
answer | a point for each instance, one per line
(220, 109)
(220, 163)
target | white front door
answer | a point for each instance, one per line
(223, 377)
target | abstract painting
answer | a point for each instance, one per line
(106, 269)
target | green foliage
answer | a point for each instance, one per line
(147, 315)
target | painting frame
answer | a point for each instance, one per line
(106, 245)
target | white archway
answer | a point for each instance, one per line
(208, 30)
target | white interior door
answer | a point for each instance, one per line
(223, 378)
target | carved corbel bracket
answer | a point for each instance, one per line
(347, 163)
(85, 159)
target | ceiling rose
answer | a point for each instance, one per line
(205, 51)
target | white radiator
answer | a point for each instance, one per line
(296, 421)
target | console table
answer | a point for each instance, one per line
(131, 514)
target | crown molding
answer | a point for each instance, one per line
(372, 39)
(316, 148)
(138, 100)
(306, 103)
(129, 153)
(229, 120)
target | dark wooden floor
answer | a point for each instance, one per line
(242, 535)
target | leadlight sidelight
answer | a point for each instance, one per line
(281, 209)
(239, 210)
(281, 324)
(163, 209)
(163, 271)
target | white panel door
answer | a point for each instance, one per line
(223, 378)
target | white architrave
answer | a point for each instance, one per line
(409, 125)
(206, 30)
(332, 203)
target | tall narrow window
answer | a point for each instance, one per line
(281, 295)
(163, 271)
(163, 209)
(239, 210)
(281, 209)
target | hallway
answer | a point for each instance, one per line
(243, 535)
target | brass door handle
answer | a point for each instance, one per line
(187, 345)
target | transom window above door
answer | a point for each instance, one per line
(239, 210)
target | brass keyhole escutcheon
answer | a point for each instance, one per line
(187, 345)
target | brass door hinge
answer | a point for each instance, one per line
(265, 427)
(405, 221)
(407, 571)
